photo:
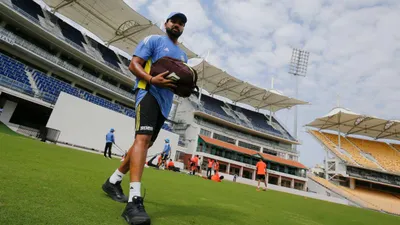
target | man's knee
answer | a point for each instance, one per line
(143, 140)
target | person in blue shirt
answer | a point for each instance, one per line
(110, 140)
(153, 104)
(165, 153)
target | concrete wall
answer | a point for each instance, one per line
(86, 124)
(8, 111)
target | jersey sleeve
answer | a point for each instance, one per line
(146, 47)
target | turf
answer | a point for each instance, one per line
(47, 184)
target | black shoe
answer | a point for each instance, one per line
(114, 191)
(135, 214)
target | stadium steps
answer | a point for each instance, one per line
(361, 151)
(342, 191)
(333, 147)
(32, 81)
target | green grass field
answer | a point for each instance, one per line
(47, 184)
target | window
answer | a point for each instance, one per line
(282, 155)
(249, 146)
(224, 138)
(205, 132)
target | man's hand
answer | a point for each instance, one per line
(160, 81)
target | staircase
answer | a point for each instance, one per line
(32, 81)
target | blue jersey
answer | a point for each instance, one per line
(167, 149)
(110, 138)
(151, 49)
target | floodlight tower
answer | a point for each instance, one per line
(298, 67)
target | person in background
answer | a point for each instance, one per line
(165, 153)
(209, 167)
(216, 167)
(110, 140)
(261, 173)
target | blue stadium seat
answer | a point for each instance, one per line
(257, 120)
(16, 71)
(54, 86)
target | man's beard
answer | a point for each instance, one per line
(172, 33)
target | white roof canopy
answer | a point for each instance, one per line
(114, 22)
(351, 123)
(218, 82)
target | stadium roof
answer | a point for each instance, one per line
(114, 22)
(250, 152)
(351, 123)
(219, 82)
(117, 24)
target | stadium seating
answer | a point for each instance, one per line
(387, 157)
(344, 192)
(51, 87)
(30, 7)
(353, 151)
(329, 144)
(241, 116)
(15, 71)
(367, 153)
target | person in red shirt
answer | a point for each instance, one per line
(209, 168)
(216, 167)
(195, 164)
(261, 173)
(170, 165)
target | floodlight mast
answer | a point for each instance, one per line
(298, 67)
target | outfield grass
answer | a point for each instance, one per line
(47, 184)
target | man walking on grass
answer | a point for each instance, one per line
(153, 104)
(261, 174)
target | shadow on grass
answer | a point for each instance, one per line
(165, 210)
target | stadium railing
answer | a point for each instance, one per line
(16, 8)
(14, 39)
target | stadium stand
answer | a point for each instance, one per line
(59, 28)
(49, 87)
(387, 157)
(355, 153)
(241, 116)
(368, 198)
(15, 71)
(47, 54)
(342, 154)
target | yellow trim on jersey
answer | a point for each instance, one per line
(142, 83)
(138, 117)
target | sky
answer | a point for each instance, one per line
(354, 50)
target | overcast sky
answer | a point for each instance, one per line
(354, 50)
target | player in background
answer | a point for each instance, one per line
(209, 167)
(153, 104)
(110, 140)
(216, 167)
(165, 153)
(261, 174)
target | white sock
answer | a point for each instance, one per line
(117, 176)
(134, 190)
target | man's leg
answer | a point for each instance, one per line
(109, 150)
(105, 150)
(148, 124)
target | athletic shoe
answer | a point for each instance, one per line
(134, 212)
(114, 191)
